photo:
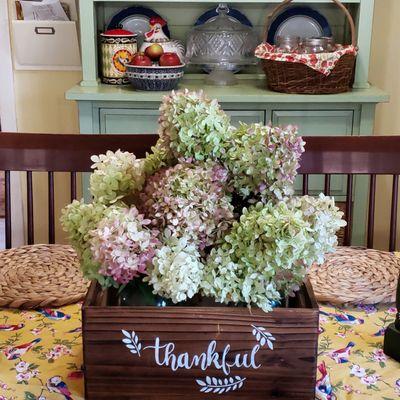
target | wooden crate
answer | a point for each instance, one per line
(199, 352)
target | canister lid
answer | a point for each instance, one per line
(118, 32)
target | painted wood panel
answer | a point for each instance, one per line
(316, 123)
(247, 116)
(139, 121)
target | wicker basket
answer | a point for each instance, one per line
(290, 77)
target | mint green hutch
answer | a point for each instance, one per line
(109, 109)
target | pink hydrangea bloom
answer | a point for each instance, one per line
(123, 244)
(190, 200)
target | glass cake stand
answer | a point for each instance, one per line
(222, 45)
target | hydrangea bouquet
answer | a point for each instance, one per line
(209, 212)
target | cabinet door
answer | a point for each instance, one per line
(247, 116)
(128, 120)
(318, 123)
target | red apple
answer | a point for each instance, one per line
(169, 60)
(140, 59)
(154, 52)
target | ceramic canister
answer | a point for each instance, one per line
(117, 49)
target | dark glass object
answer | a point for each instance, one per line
(139, 293)
(391, 345)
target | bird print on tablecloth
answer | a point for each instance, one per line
(55, 384)
(323, 387)
(15, 352)
(343, 318)
(54, 314)
(341, 356)
(76, 330)
(379, 333)
(9, 328)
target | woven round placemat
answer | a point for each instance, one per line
(356, 275)
(40, 276)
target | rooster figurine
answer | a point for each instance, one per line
(156, 34)
(13, 353)
(323, 388)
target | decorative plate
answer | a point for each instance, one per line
(299, 21)
(135, 19)
(233, 13)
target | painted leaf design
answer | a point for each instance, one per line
(220, 386)
(131, 341)
(263, 337)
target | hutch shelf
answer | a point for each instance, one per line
(109, 109)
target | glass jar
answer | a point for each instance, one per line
(314, 45)
(330, 44)
(139, 293)
(287, 44)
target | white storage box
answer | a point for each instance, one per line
(46, 45)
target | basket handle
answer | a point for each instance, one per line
(286, 2)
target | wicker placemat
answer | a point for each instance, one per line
(356, 275)
(40, 276)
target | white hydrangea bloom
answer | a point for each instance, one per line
(176, 270)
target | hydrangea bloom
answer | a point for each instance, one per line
(116, 175)
(325, 220)
(190, 200)
(268, 251)
(194, 126)
(160, 156)
(176, 270)
(123, 244)
(78, 220)
(263, 160)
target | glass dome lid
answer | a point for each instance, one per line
(221, 41)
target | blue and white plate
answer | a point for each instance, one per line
(135, 19)
(234, 14)
(299, 21)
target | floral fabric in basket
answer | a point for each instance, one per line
(321, 62)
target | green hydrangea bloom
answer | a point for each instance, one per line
(116, 175)
(263, 160)
(79, 220)
(269, 249)
(192, 125)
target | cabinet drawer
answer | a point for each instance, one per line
(247, 116)
(128, 120)
(318, 123)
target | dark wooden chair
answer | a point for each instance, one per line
(328, 156)
(351, 156)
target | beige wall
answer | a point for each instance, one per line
(384, 73)
(42, 108)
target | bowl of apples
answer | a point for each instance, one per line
(155, 69)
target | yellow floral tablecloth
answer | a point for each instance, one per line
(41, 355)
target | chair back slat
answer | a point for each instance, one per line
(327, 156)
(73, 186)
(305, 184)
(371, 211)
(52, 234)
(393, 213)
(7, 198)
(327, 185)
(349, 210)
(29, 195)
